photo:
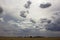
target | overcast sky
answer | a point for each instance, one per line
(29, 17)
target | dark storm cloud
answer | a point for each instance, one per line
(27, 5)
(54, 26)
(45, 5)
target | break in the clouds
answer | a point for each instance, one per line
(17, 20)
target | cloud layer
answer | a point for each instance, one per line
(13, 23)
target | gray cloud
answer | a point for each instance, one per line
(54, 26)
(44, 20)
(45, 5)
(25, 27)
(8, 17)
(1, 10)
(32, 21)
(23, 14)
(27, 5)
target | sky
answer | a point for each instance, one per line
(30, 17)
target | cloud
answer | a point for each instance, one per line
(1, 10)
(32, 21)
(45, 20)
(46, 5)
(12, 24)
(1, 19)
(55, 26)
(23, 14)
(27, 5)
(12, 29)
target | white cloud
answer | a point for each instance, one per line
(1, 19)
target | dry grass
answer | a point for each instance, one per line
(12, 38)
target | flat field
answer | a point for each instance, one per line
(17, 38)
